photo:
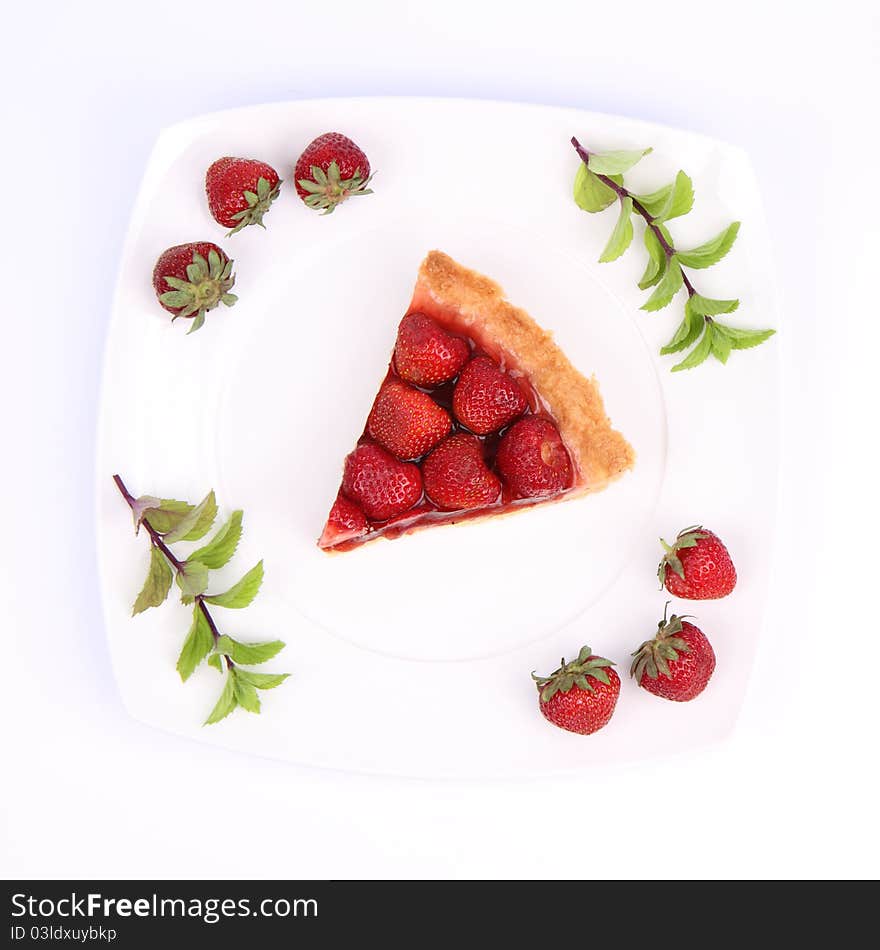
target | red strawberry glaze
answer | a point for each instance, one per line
(425, 512)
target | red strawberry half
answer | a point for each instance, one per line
(425, 353)
(240, 191)
(191, 279)
(697, 566)
(485, 398)
(346, 521)
(580, 696)
(331, 169)
(677, 663)
(532, 458)
(381, 485)
(456, 475)
(407, 421)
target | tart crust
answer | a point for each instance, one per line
(475, 305)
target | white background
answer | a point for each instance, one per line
(85, 792)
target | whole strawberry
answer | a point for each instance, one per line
(240, 191)
(677, 663)
(532, 459)
(456, 475)
(486, 398)
(580, 696)
(697, 566)
(425, 354)
(191, 279)
(380, 484)
(407, 421)
(331, 169)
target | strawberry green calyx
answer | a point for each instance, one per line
(328, 189)
(577, 673)
(258, 205)
(653, 655)
(686, 539)
(208, 284)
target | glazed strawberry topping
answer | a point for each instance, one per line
(382, 485)
(486, 398)
(448, 446)
(426, 354)
(532, 458)
(456, 475)
(407, 421)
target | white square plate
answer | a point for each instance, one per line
(413, 657)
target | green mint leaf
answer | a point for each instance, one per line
(168, 515)
(263, 680)
(205, 520)
(656, 267)
(712, 251)
(699, 353)
(198, 644)
(226, 703)
(708, 307)
(743, 339)
(157, 584)
(686, 334)
(721, 346)
(242, 593)
(140, 507)
(593, 195)
(192, 579)
(679, 200)
(245, 693)
(219, 550)
(654, 202)
(668, 287)
(196, 523)
(216, 660)
(622, 235)
(249, 653)
(615, 163)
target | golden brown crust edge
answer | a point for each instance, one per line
(600, 452)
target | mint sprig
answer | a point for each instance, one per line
(597, 185)
(168, 521)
